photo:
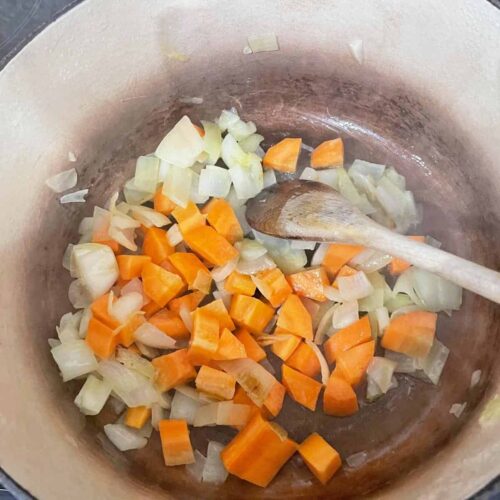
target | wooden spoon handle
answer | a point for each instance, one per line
(465, 273)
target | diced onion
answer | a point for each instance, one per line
(157, 414)
(354, 287)
(222, 272)
(78, 295)
(475, 378)
(373, 170)
(63, 181)
(185, 315)
(380, 370)
(124, 438)
(269, 178)
(135, 362)
(250, 249)
(309, 174)
(332, 293)
(184, 408)
(226, 119)
(233, 200)
(433, 364)
(71, 156)
(248, 179)
(374, 392)
(86, 225)
(302, 245)
(214, 181)
(224, 296)
(68, 329)
(151, 336)
(174, 235)
(325, 324)
(251, 143)
(325, 372)
(374, 301)
(241, 130)
(404, 310)
(223, 413)
(356, 47)
(404, 364)
(212, 141)
(66, 261)
(196, 469)
(135, 286)
(182, 145)
(382, 316)
(126, 306)
(457, 409)
(346, 314)
(370, 260)
(177, 185)
(357, 459)
(256, 265)
(319, 254)
(133, 195)
(146, 173)
(93, 395)
(436, 293)
(74, 359)
(328, 176)
(263, 43)
(75, 197)
(149, 217)
(214, 471)
(290, 261)
(350, 193)
(84, 323)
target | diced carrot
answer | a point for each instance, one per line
(189, 217)
(151, 308)
(352, 364)
(242, 398)
(156, 245)
(328, 154)
(190, 302)
(339, 398)
(200, 130)
(175, 442)
(101, 339)
(221, 216)
(162, 203)
(126, 335)
(204, 337)
(398, 266)
(304, 360)
(137, 417)
(160, 285)
(294, 318)
(167, 265)
(114, 245)
(274, 401)
(173, 369)
(189, 266)
(229, 347)
(239, 283)
(170, 323)
(213, 247)
(285, 348)
(357, 333)
(251, 313)
(301, 388)
(344, 272)
(99, 309)
(130, 266)
(273, 285)
(338, 255)
(411, 333)
(217, 309)
(258, 452)
(310, 283)
(215, 383)
(252, 348)
(322, 459)
(283, 156)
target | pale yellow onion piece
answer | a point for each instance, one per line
(178, 185)
(75, 197)
(212, 141)
(325, 372)
(267, 42)
(93, 395)
(62, 181)
(149, 217)
(174, 235)
(147, 173)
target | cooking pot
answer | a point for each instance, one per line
(108, 79)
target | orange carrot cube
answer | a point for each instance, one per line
(213, 247)
(221, 216)
(101, 339)
(251, 313)
(170, 323)
(137, 417)
(130, 266)
(162, 203)
(229, 347)
(294, 318)
(160, 285)
(283, 156)
(301, 388)
(217, 309)
(173, 369)
(321, 458)
(285, 348)
(126, 335)
(215, 383)
(189, 217)
(398, 266)
(156, 245)
(204, 337)
(352, 364)
(339, 398)
(189, 266)
(100, 311)
(338, 255)
(304, 360)
(237, 283)
(328, 154)
(273, 285)
(310, 283)
(344, 272)
(252, 348)
(175, 442)
(190, 302)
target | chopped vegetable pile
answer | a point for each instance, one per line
(180, 305)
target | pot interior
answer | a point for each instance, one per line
(379, 122)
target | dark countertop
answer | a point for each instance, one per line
(21, 21)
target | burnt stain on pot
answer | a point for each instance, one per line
(380, 121)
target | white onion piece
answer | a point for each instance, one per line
(195, 469)
(131, 387)
(184, 408)
(78, 295)
(349, 191)
(71, 156)
(373, 302)
(227, 118)
(63, 181)
(133, 195)
(263, 43)
(192, 393)
(325, 324)
(151, 336)
(319, 254)
(435, 293)
(182, 145)
(233, 200)
(177, 185)
(241, 130)
(404, 310)
(370, 261)
(354, 287)
(135, 362)
(290, 261)
(346, 314)
(220, 273)
(212, 141)
(93, 395)
(86, 225)
(214, 471)
(374, 392)
(146, 173)
(250, 249)
(475, 378)
(332, 293)
(365, 184)
(96, 267)
(126, 306)
(457, 409)
(357, 459)
(224, 296)
(325, 372)
(74, 359)
(269, 178)
(157, 414)
(397, 179)
(69, 325)
(185, 315)
(164, 400)
(380, 370)
(149, 217)
(302, 245)
(328, 176)
(251, 143)
(146, 430)
(404, 364)
(223, 413)
(135, 286)
(124, 438)
(356, 48)
(84, 323)
(433, 364)
(116, 404)
(373, 170)
(248, 179)
(383, 321)
(312, 307)
(75, 197)
(254, 266)
(309, 174)
(174, 235)
(231, 152)
(240, 213)
(405, 285)
(214, 181)
(195, 195)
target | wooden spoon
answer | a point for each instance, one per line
(308, 210)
